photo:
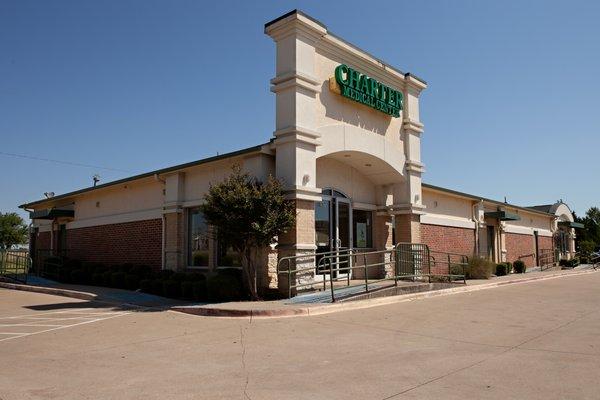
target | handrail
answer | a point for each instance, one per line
(15, 265)
(348, 260)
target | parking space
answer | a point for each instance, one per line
(19, 326)
(529, 341)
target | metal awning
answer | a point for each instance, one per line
(51, 213)
(502, 215)
(569, 224)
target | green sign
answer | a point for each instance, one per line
(366, 90)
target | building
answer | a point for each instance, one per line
(347, 145)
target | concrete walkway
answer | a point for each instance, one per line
(286, 308)
(276, 308)
(533, 341)
(96, 293)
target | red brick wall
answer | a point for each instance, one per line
(545, 242)
(138, 242)
(42, 241)
(519, 245)
(448, 239)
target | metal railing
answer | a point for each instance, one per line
(47, 263)
(406, 261)
(547, 259)
(15, 265)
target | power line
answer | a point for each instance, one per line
(62, 162)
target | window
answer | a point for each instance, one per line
(197, 239)
(362, 228)
(227, 256)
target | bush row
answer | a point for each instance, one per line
(482, 268)
(572, 263)
(504, 268)
(519, 267)
(224, 285)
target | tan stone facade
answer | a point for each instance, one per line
(353, 172)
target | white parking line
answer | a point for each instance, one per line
(60, 327)
(1, 325)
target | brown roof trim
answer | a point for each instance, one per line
(147, 175)
(473, 197)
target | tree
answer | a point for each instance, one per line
(12, 230)
(590, 234)
(248, 215)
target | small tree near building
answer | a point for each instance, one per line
(248, 215)
(12, 230)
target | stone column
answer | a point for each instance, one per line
(408, 198)
(174, 221)
(296, 137)
(382, 240)
(173, 231)
(408, 228)
(299, 244)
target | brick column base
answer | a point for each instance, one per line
(174, 254)
(408, 228)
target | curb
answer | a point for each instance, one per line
(359, 304)
(48, 290)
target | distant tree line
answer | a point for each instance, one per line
(588, 239)
(13, 230)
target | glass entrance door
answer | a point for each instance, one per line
(333, 220)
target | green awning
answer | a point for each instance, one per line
(569, 224)
(502, 215)
(51, 213)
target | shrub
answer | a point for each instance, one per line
(519, 267)
(171, 288)
(157, 287)
(77, 276)
(501, 269)
(64, 274)
(132, 281)
(200, 290)
(458, 269)
(164, 274)
(72, 264)
(125, 268)
(117, 279)
(97, 279)
(106, 278)
(479, 268)
(187, 290)
(563, 262)
(93, 267)
(223, 287)
(179, 276)
(143, 271)
(146, 285)
(196, 276)
(80, 276)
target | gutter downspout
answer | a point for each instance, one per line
(162, 251)
(476, 220)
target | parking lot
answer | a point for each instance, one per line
(536, 341)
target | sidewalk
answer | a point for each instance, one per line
(276, 308)
(94, 293)
(284, 308)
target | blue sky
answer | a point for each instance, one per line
(511, 108)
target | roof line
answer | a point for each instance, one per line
(148, 174)
(472, 196)
(385, 64)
